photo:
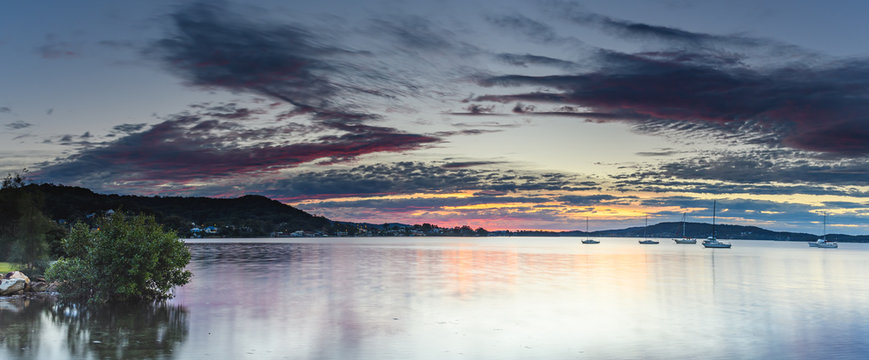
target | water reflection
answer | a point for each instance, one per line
(528, 298)
(45, 330)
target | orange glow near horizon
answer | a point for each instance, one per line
(551, 214)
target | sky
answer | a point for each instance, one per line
(509, 115)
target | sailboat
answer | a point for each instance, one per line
(822, 242)
(647, 241)
(712, 241)
(685, 239)
(587, 239)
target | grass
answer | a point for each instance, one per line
(6, 267)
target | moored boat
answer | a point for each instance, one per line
(646, 241)
(587, 239)
(685, 239)
(712, 241)
(822, 242)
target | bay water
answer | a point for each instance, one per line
(475, 298)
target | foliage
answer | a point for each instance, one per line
(127, 258)
(26, 234)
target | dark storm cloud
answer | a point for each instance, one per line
(819, 105)
(416, 177)
(18, 125)
(5, 109)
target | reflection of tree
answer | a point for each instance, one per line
(20, 327)
(122, 331)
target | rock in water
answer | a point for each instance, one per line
(38, 286)
(11, 286)
(18, 275)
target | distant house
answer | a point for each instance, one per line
(211, 230)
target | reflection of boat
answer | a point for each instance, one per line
(822, 242)
(647, 241)
(587, 239)
(712, 241)
(685, 239)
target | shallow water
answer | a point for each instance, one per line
(477, 298)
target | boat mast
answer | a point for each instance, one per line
(683, 225)
(713, 220)
(645, 227)
(586, 227)
(825, 227)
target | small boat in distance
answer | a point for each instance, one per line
(647, 241)
(685, 239)
(587, 239)
(712, 241)
(822, 242)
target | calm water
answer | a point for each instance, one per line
(473, 298)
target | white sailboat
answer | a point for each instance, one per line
(685, 239)
(646, 241)
(587, 239)
(712, 241)
(822, 242)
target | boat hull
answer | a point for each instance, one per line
(685, 241)
(716, 245)
(590, 242)
(648, 242)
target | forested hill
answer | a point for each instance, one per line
(723, 231)
(249, 215)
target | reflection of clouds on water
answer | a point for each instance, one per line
(140, 331)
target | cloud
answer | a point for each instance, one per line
(56, 49)
(420, 34)
(467, 164)
(526, 26)
(18, 125)
(703, 83)
(129, 128)
(589, 200)
(212, 48)
(417, 177)
(754, 171)
(574, 12)
(817, 109)
(204, 147)
(525, 60)
(5, 109)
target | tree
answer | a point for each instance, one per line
(127, 258)
(25, 232)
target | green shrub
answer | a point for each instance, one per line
(127, 258)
